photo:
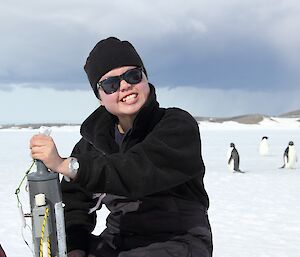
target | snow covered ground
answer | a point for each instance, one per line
(252, 214)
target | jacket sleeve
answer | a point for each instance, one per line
(168, 156)
(78, 222)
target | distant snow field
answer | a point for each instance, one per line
(251, 214)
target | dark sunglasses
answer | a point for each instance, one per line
(112, 84)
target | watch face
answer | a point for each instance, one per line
(75, 165)
(73, 169)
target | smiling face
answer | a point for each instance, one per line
(128, 100)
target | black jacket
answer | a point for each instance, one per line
(152, 182)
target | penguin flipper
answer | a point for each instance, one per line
(229, 160)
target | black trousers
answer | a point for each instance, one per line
(196, 243)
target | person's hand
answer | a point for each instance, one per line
(44, 149)
(76, 253)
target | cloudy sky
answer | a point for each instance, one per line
(212, 58)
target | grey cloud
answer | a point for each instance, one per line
(224, 44)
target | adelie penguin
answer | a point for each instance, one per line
(264, 146)
(289, 156)
(233, 159)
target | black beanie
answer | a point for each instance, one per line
(107, 55)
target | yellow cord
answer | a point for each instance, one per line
(49, 248)
(43, 235)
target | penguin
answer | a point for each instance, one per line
(264, 146)
(289, 156)
(233, 159)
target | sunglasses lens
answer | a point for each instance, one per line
(133, 76)
(110, 85)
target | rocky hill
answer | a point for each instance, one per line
(293, 114)
(245, 119)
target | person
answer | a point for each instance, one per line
(142, 161)
(2, 253)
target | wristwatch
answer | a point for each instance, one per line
(73, 168)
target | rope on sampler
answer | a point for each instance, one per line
(18, 188)
(19, 205)
(43, 235)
